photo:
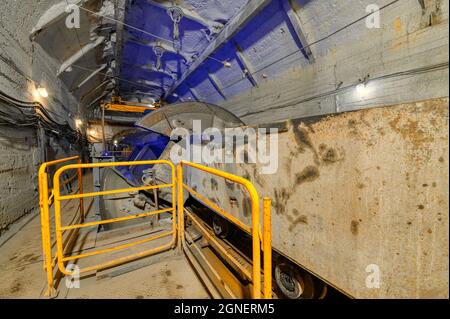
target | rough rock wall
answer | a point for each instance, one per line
(21, 66)
(18, 178)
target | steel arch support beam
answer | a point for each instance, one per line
(217, 85)
(292, 9)
(79, 54)
(90, 76)
(245, 65)
(252, 8)
(193, 92)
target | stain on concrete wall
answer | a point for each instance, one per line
(360, 188)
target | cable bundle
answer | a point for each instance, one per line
(34, 114)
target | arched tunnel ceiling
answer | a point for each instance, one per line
(86, 55)
(245, 34)
(221, 48)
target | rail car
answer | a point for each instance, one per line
(333, 220)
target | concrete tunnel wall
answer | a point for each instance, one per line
(21, 63)
(410, 38)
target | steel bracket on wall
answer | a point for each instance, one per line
(292, 11)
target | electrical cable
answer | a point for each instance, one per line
(34, 114)
(436, 67)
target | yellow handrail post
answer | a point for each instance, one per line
(47, 237)
(80, 191)
(256, 245)
(174, 204)
(58, 230)
(44, 205)
(41, 208)
(45, 230)
(180, 202)
(255, 229)
(267, 247)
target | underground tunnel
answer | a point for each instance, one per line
(234, 149)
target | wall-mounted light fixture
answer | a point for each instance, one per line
(78, 123)
(362, 88)
(40, 91)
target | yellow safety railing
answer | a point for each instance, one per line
(55, 196)
(60, 229)
(46, 198)
(254, 230)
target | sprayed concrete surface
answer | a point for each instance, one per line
(408, 39)
(357, 189)
(18, 166)
(354, 189)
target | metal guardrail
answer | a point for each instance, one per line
(54, 196)
(46, 199)
(60, 229)
(254, 230)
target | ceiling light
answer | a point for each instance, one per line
(78, 123)
(36, 95)
(42, 91)
(227, 64)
